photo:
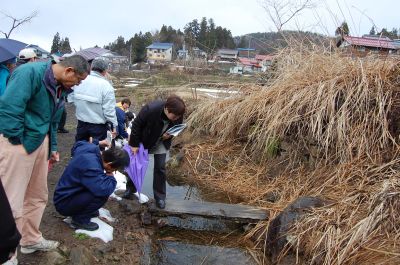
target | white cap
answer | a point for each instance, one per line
(27, 53)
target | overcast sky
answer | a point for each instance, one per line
(87, 23)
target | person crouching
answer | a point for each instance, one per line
(87, 182)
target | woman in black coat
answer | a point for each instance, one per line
(149, 128)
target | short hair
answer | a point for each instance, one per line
(80, 65)
(99, 65)
(129, 116)
(126, 100)
(117, 157)
(175, 105)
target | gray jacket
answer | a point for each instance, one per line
(94, 99)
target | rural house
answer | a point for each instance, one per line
(265, 61)
(227, 55)
(115, 61)
(247, 52)
(40, 52)
(362, 46)
(159, 52)
(193, 53)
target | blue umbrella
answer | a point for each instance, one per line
(10, 48)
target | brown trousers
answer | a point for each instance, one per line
(24, 178)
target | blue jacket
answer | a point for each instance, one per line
(121, 123)
(84, 172)
(4, 73)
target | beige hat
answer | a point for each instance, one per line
(27, 53)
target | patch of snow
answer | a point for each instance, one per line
(115, 197)
(131, 85)
(105, 231)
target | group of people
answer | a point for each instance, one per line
(31, 107)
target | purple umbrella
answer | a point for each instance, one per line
(138, 165)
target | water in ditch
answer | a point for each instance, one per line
(192, 239)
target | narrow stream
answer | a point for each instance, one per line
(194, 240)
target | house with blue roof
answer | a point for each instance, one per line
(159, 52)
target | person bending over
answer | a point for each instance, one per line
(87, 182)
(149, 128)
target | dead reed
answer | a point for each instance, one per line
(341, 105)
(326, 126)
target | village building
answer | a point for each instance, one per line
(159, 52)
(115, 61)
(40, 52)
(366, 45)
(227, 55)
(260, 63)
(265, 61)
(247, 52)
(196, 52)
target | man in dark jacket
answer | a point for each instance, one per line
(9, 234)
(149, 128)
(30, 110)
(84, 187)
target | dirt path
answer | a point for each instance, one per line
(129, 234)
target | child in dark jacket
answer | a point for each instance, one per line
(121, 118)
(84, 187)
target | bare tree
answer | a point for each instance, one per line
(16, 22)
(282, 11)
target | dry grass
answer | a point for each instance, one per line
(336, 112)
(338, 104)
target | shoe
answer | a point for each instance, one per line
(43, 245)
(62, 130)
(88, 226)
(160, 204)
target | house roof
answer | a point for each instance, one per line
(37, 48)
(228, 51)
(249, 61)
(246, 49)
(260, 57)
(92, 53)
(370, 42)
(376, 37)
(160, 45)
(396, 43)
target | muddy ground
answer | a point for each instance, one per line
(129, 234)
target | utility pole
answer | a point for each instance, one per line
(248, 50)
(130, 55)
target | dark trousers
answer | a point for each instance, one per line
(159, 178)
(81, 207)
(86, 130)
(9, 235)
(63, 120)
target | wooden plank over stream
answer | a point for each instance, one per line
(236, 212)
